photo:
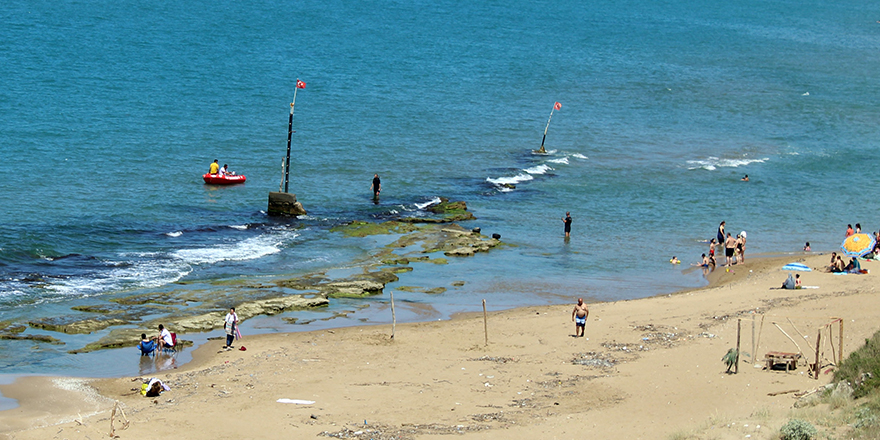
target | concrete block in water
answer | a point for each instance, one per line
(281, 203)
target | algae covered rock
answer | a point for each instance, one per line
(71, 325)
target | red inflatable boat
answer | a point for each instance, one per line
(217, 179)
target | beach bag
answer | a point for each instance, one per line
(789, 283)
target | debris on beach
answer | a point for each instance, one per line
(594, 359)
(406, 431)
(496, 359)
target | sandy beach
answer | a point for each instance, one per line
(647, 369)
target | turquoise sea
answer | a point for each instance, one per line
(110, 112)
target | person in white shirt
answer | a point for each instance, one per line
(165, 340)
(229, 324)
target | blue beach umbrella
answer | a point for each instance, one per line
(858, 245)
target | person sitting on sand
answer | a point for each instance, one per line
(833, 263)
(146, 346)
(838, 264)
(704, 261)
(797, 281)
(789, 283)
(853, 266)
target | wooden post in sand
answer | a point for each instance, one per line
(738, 327)
(760, 330)
(818, 340)
(393, 316)
(485, 323)
(754, 349)
(840, 342)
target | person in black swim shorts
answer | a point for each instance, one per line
(567, 221)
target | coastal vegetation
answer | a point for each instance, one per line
(849, 408)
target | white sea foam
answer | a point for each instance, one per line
(249, 249)
(563, 160)
(510, 180)
(433, 201)
(152, 269)
(713, 163)
(538, 169)
(239, 227)
(142, 274)
(579, 156)
(174, 234)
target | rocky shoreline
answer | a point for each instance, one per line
(124, 314)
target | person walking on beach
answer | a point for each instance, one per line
(720, 235)
(229, 323)
(579, 316)
(376, 187)
(729, 247)
(567, 221)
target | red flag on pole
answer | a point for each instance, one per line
(556, 106)
(302, 85)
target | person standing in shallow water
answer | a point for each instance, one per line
(719, 236)
(567, 222)
(376, 187)
(579, 316)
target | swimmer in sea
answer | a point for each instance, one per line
(745, 178)
(675, 260)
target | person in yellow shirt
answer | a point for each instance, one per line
(215, 167)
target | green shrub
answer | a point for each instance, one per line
(797, 429)
(862, 368)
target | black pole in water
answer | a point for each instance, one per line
(542, 141)
(287, 160)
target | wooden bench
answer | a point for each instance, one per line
(774, 358)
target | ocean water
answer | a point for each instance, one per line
(110, 112)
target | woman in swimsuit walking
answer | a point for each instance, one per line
(720, 235)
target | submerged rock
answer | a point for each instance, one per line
(358, 288)
(450, 212)
(71, 325)
(360, 228)
(37, 338)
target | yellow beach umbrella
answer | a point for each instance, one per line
(858, 245)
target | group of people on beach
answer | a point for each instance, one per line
(734, 249)
(165, 340)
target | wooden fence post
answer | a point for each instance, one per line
(393, 316)
(485, 323)
(818, 340)
(738, 326)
